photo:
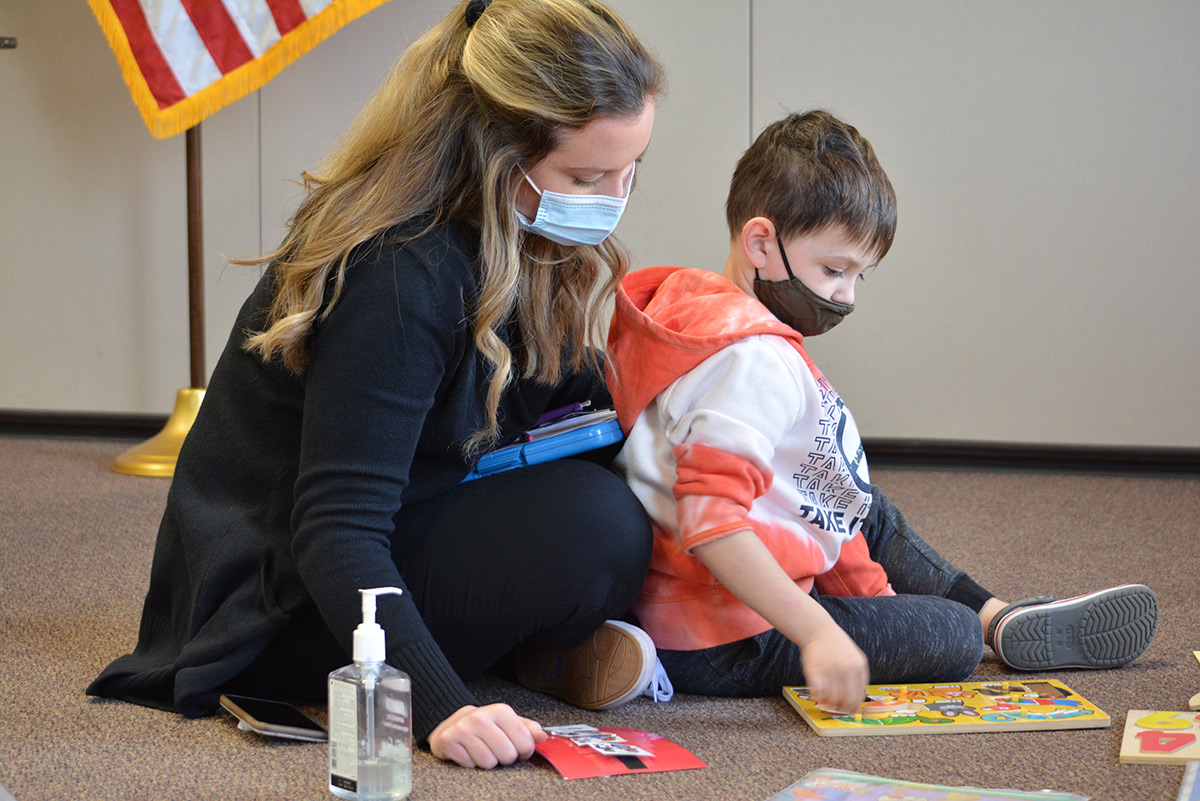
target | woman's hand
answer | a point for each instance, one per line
(835, 669)
(485, 736)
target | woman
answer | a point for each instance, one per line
(438, 290)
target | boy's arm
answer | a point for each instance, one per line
(855, 574)
(835, 669)
(723, 420)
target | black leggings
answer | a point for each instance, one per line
(929, 632)
(540, 556)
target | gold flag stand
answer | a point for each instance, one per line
(157, 456)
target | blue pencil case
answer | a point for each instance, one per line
(584, 433)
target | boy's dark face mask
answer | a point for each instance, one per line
(796, 305)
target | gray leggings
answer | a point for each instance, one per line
(928, 632)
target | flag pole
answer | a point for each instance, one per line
(195, 221)
(157, 456)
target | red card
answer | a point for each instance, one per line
(575, 758)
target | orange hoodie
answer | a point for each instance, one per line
(667, 322)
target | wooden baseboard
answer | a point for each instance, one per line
(85, 425)
(1029, 456)
(880, 452)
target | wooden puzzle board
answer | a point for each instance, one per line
(951, 708)
(1160, 738)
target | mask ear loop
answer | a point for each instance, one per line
(629, 182)
(530, 180)
(783, 253)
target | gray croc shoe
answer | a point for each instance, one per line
(1104, 629)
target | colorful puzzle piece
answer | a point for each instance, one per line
(1160, 738)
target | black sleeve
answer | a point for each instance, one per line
(376, 365)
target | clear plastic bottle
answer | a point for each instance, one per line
(370, 718)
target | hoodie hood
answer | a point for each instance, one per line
(669, 319)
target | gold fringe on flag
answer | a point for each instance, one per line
(251, 76)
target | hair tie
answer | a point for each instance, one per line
(475, 10)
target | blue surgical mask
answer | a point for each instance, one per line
(575, 219)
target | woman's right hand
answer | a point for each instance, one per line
(485, 736)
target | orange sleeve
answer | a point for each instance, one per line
(856, 574)
(714, 490)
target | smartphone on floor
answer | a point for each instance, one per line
(273, 719)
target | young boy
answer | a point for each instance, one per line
(775, 560)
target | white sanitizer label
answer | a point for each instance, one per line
(343, 735)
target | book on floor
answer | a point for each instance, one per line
(827, 784)
(1189, 786)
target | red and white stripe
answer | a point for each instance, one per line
(183, 46)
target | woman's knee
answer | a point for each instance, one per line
(577, 527)
(597, 509)
(610, 533)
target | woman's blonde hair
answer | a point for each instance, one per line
(442, 139)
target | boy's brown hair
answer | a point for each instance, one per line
(807, 172)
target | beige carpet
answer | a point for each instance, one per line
(75, 547)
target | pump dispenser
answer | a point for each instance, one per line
(370, 717)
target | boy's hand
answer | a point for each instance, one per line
(835, 669)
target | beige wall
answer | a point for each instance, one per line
(1044, 282)
(1040, 289)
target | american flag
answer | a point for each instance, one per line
(185, 59)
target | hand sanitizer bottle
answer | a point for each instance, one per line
(370, 718)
